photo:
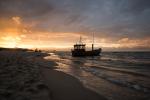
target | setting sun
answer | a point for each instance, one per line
(10, 42)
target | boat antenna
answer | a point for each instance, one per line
(93, 43)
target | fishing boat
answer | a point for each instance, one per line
(79, 50)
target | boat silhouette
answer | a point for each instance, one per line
(79, 50)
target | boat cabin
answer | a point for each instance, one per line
(79, 47)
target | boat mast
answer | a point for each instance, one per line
(93, 43)
(80, 40)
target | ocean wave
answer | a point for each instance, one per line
(117, 81)
(120, 70)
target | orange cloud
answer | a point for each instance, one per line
(132, 43)
(17, 20)
(15, 33)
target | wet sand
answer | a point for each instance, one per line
(27, 76)
(66, 87)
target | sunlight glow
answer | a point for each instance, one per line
(10, 42)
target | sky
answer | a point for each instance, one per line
(58, 24)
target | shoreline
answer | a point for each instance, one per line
(65, 86)
(41, 81)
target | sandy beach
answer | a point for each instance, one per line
(27, 76)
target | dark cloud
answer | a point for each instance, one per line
(108, 18)
(24, 8)
(134, 6)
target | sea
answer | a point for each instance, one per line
(114, 75)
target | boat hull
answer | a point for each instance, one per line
(82, 53)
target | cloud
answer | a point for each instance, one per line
(134, 43)
(134, 6)
(17, 20)
(26, 8)
(113, 18)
